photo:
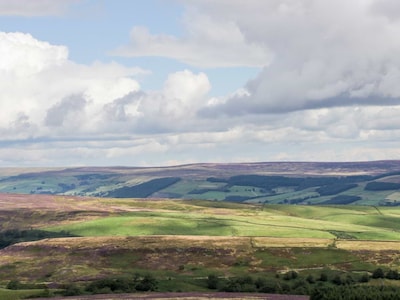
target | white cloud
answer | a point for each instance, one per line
(171, 109)
(26, 55)
(46, 94)
(208, 43)
(34, 7)
(313, 53)
(325, 54)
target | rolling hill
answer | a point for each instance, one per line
(89, 244)
(356, 183)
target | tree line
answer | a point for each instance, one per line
(325, 285)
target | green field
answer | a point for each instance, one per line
(364, 183)
(250, 220)
(21, 294)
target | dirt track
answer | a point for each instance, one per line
(187, 296)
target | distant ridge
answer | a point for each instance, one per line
(287, 167)
(356, 183)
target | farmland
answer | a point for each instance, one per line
(363, 183)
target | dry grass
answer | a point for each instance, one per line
(356, 245)
(87, 258)
(166, 241)
(14, 202)
(270, 242)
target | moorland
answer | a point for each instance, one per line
(318, 183)
(70, 242)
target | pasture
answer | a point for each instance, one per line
(187, 218)
(364, 183)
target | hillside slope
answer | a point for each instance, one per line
(78, 243)
(356, 183)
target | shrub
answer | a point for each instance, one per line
(260, 282)
(364, 278)
(337, 280)
(148, 283)
(323, 277)
(269, 287)
(392, 274)
(212, 281)
(14, 285)
(310, 279)
(72, 290)
(290, 275)
(378, 273)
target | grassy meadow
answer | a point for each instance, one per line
(7, 294)
(221, 219)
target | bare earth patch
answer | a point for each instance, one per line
(187, 296)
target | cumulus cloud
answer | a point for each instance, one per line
(34, 8)
(171, 109)
(183, 93)
(326, 54)
(313, 53)
(66, 108)
(45, 93)
(27, 55)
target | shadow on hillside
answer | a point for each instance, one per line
(13, 236)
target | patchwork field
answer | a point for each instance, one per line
(358, 183)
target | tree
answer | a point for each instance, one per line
(212, 281)
(378, 273)
(270, 287)
(260, 282)
(148, 283)
(323, 277)
(290, 275)
(337, 280)
(392, 274)
(72, 290)
(364, 278)
(349, 279)
(14, 285)
(310, 279)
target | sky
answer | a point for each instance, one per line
(168, 82)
